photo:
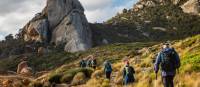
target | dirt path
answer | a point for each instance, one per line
(14, 77)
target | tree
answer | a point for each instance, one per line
(9, 37)
(125, 10)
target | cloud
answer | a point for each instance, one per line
(14, 14)
(1, 37)
(8, 6)
(91, 5)
(102, 10)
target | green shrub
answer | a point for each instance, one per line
(55, 78)
(66, 75)
(106, 83)
(191, 63)
(79, 78)
(67, 78)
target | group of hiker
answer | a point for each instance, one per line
(90, 61)
(167, 59)
(128, 72)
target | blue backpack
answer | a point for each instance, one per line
(108, 67)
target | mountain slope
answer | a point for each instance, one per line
(141, 58)
(151, 20)
(64, 66)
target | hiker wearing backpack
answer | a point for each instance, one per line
(107, 69)
(93, 62)
(128, 74)
(83, 63)
(88, 62)
(169, 61)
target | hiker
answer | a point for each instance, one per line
(93, 62)
(23, 67)
(107, 69)
(88, 62)
(128, 74)
(169, 61)
(82, 63)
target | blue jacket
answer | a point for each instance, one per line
(158, 62)
(107, 67)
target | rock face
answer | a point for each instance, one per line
(191, 6)
(37, 30)
(62, 22)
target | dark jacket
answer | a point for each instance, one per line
(83, 63)
(107, 67)
(159, 60)
(128, 74)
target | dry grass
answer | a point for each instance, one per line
(79, 78)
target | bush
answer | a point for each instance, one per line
(79, 78)
(63, 75)
(67, 78)
(191, 63)
(97, 74)
(106, 83)
(55, 78)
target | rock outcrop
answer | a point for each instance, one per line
(61, 22)
(37, 31)
(191, 6)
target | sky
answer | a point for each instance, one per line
(14, 14)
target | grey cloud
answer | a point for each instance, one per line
(7, 6)
(14, 14)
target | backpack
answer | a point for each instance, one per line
(93, 63)
(83, 63)
(129, 71)
(168, 62)
(108, 67)
(88, 63)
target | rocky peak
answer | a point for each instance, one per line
(60, 22)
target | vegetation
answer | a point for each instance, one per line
(65, 75)
(131, 25)
(39, 63)
(62, 65)
(145, 76)
(129, 35)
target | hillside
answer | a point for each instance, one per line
(188, 75)
(151, 20)
(141, 56)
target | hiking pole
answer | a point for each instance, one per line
(156, 76)
(156, 80)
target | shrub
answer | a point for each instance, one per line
(79, 78)
(97, 74)
(63, 75)
(190, 63)
(67, 78)
(55, 78)
(106, 83)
